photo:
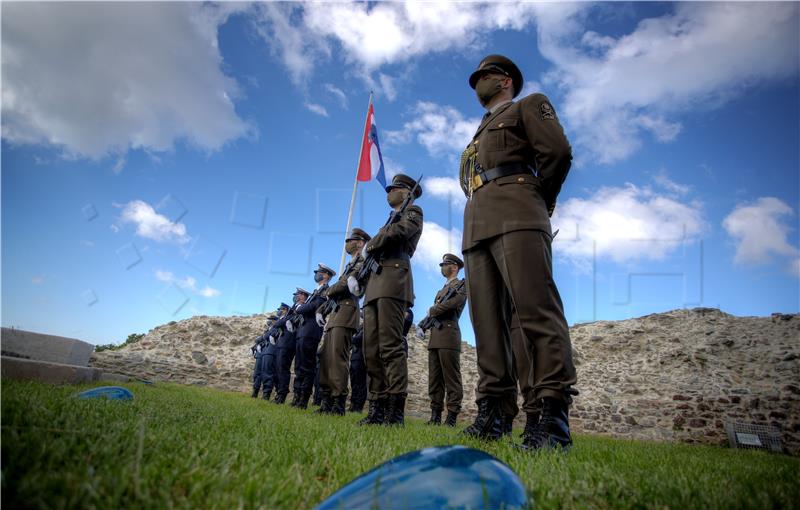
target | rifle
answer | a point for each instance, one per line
(371, 262)
(330, 306)
(432, 322)
(259, 341)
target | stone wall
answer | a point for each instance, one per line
(675, 376)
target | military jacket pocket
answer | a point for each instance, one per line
(502, 135)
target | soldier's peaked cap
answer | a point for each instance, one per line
(404, 181)
(358, 235)
(498, 64)
(284, 305)
(322, 268)
(272, 317)
(449, 258)
(302, 291)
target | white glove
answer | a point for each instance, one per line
(290, 326)
(353, 285)
(320, 320)
(364, 251)
(272, 340)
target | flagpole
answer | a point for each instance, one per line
(353, 198)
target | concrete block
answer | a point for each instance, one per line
(54, 373)
(50, 348)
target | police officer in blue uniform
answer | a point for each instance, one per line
(308, 337)
(286, 343)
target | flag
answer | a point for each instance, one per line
(370, 165)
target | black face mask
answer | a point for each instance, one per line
(318, 277)
(487, 88)
(446, 271)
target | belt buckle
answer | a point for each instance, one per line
(477, 182)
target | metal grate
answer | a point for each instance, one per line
(753, 436)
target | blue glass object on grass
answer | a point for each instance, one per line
(107, 392)
(439, 477)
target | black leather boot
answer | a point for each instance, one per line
(508, 424)
(396, 411)
(436, 417)
(552, 431)
(279, 399)
(451, 419)
(531, 421)
(267, 395)
(325, 405)
(355, 408)
(302, 401)
(338, 405)
(295, 399)
(376, 414)
(490, 421)
(255, 393)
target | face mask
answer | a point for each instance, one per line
(445, 271)
(487, 88)
(295, 299)
(318, 277)
(395, 197)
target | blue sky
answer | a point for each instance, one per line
(162, 160)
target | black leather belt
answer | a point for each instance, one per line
(504, 171)
(395, 255)
(482, 177)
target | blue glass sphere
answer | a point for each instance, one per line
(439, 477)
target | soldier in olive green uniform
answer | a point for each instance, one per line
(340, 318)
(387, 296)
(444, 346)
(511, 173)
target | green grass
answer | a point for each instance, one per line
(187, 447)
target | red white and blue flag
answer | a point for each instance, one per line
(370, 166)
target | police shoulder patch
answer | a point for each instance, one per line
(546, 110)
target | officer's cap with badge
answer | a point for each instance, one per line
(449, 258)
(273, 317)
(301, 291)
(358, 235)
(404, 181)
(322, 268)
(284, 305)
(498, 64)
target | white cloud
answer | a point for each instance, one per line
(370, 36)
(445, 188)
(442, 130)
(151, 225)
(100, 78)
(337, 93)
(625, 224)
(436, 240)
(619, 89)
(208, 292)
(316, 108)
(761, 231)
(669, 185)
(119, 165)
(187, 283)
